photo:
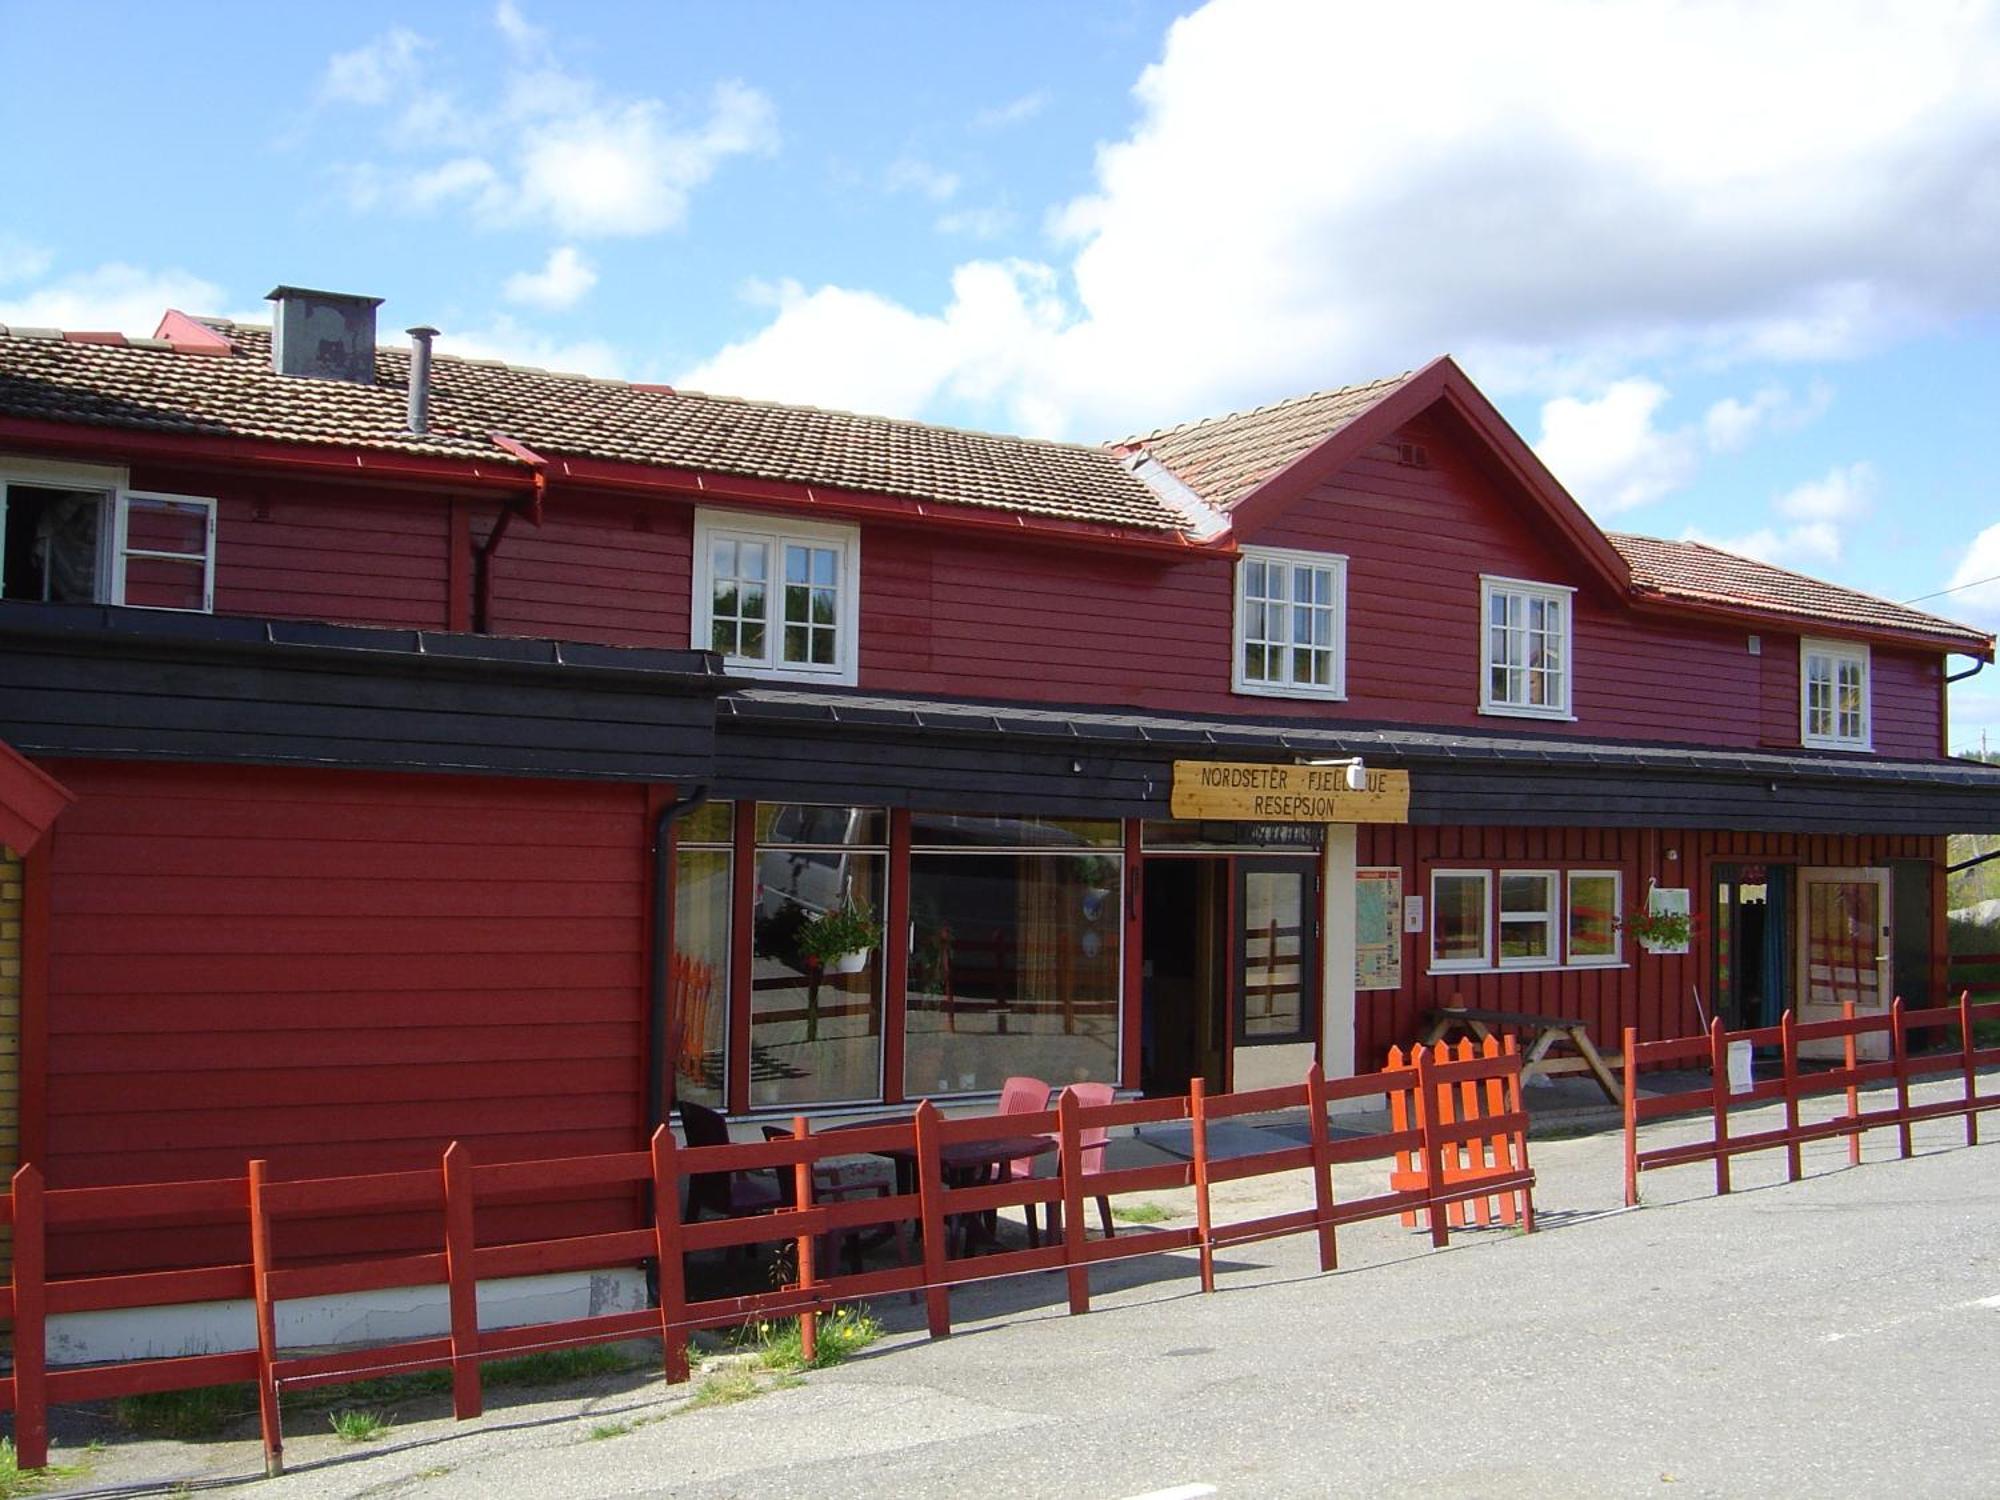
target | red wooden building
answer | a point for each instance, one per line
(380, 727)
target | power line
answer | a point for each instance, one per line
(1955, 588)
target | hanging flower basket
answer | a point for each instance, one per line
(1660, 931)
(839, 941)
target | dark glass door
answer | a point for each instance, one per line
(1277, 969)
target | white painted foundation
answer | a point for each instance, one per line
(381, 1317)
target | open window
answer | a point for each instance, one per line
(66, 542)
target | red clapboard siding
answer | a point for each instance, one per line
(340, 973)
(1654, 992)
(595, 571)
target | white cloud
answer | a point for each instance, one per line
(1013, 112)
(1979, 568)
(1732, 423)
(562, 281)
(1609, 453)
(1768, 184)
(977, 223)
(1807, 545)
(114, 297)
(374, 73)
(909, 175)
(546, 146)
(502, 337)
(22, 260)
(1843, 493)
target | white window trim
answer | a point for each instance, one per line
(1489, 583)
(1616, 957)
(1336, 562)
(1552, 915)
(778, 530)
(1839, 651)
(1464, 965)
(120, 552)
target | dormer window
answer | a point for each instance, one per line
(777, 599)
(1833, 695)
(1524, 648)
(1291, 624)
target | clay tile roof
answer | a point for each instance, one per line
(1222, 459)
(1701, 574)
(240, 395)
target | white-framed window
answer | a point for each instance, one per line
(777, 598)
(72, 534)
(1595, 911)
(1833, 695)
(1291, 624)
(1461, 930)
(1527, 919)
(1524, 653)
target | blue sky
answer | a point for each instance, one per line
(1730, 271)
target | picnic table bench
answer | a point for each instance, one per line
(1540, 1033)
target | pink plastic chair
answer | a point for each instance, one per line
(1093, 1140)
(1021, 1095)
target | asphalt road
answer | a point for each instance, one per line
(1836, 1337)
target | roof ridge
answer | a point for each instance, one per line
(650, 388)
(1196, 423)
(1758, 562)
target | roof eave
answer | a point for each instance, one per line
(1653, 600)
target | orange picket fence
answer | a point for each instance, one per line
(1795, 1086)
(1458, 1136)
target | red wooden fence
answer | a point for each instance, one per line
(1444, 1142)
(1793, 1087)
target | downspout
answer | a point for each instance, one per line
(482, 560)
(1978, 666)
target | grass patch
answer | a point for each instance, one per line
(204, 1412)
(842, 1333)
(555, 1367)
(14, 1480)
(1140, 1213)
(605, 1430)
(724, 1387)
(359, 1424)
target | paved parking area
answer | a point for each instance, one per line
(1840, 1336)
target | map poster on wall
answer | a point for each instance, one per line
(1378, 929)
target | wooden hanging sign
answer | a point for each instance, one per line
(1250, 792)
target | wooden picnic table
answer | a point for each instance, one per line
(1541, 1033)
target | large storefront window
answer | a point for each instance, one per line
(1014, 961)
(816, 972)
(698, 992)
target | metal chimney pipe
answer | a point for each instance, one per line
(420, 377)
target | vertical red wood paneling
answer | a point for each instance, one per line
(742, 953)
(37, 937)
(896, 968)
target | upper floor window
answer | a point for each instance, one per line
(777, 599)
(1291, 624)
(1525, 648)
(71, 538)
(1833, 694)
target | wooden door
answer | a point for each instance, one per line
(1846, 944)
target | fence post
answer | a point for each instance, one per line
(1329, 1252)
(1203, 1218)
(802, 1199)
(31, 1409)
(1788, 1045)
(1631, 1116)
(1848, 1060)
(1971, 1073)
(1428, 1144)
(1519, 1144)
(672, 1271)
(1718, 1088)
(1069, 1163)
(930, 1199)
(461, 1282)
(1400, 1121)
(1899, 1050)
(270, 1419)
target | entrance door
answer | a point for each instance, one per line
(1184, 1020)
(1277, 968)
(1845, 948)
